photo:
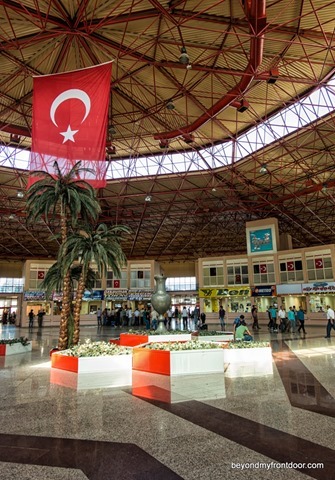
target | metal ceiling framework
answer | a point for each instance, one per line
(247, 60)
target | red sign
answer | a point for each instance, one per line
(290, 266)
(70, 122)
(40, 275)
(238, 278)
(116, 283)
(263, 268)
(318, 262)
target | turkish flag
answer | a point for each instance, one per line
(116, 283)
(70, 122)
(263, 268)
(40, 275)
(318, 262)
(290, 266)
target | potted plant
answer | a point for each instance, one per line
(14, 346)
(138, 337)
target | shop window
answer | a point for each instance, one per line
(319, 267)
(213, 274)
(237, 274)
(36, 276)
(290, 270)
(140, 278)
(264, 272)
(115, 282)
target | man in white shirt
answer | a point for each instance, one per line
(330, 318)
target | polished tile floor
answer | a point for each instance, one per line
(273, 426)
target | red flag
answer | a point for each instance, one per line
(263, 268)
(290, 266)
(116, 283)
(40, 275)
(70, 122)
(318, 262)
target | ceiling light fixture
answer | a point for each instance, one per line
(20, 194)
(244, 106)
(188, 138)
(274, 74)
(148, 198)
(264, 168)
(14, 138)
(12, 216)
(111, 129)
(170, 105)
(184, 58)
(164, 143)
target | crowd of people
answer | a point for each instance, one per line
(148, 318)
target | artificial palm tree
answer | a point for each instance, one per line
(100, 246)
(53, 282)
(64, 198)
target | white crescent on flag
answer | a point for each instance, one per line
(68, 95)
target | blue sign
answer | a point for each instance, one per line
(264, 291)
(261, 240)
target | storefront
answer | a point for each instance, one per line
(264, 296)
(319, 295)
(290, 295)
(233, 299)
(35, 301)
(92, 300)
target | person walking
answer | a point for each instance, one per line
(291, 318)
(99, 313)
(222, 314)
(301, 318)
(40, 316)
(331, 320)
(254, 314)
(185, 317)
(31, 317)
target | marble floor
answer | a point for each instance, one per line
(273, 426)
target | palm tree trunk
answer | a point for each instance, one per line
(66, 291)
(77, 306)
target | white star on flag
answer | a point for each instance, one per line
(69, 134)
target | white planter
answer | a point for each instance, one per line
(183, 337)
(91, 372)
(16, 348)
(246, 362)
(227, 337)
(197, 361)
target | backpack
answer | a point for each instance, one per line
(237, 322)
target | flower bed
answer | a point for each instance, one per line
(179, 358)
(15, 346)
(246, 359)
(139, 337)
(213, 336)
(96, 358)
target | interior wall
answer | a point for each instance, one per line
(11, 269)
(178, 269)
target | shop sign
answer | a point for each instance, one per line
(318, 287)
(289, 289)
(224, 292)
(30, 296)
(93, 295)
(57, 296)
(140, 294)
(264, 291)
(116, 294)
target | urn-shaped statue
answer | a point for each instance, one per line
(160, 300)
